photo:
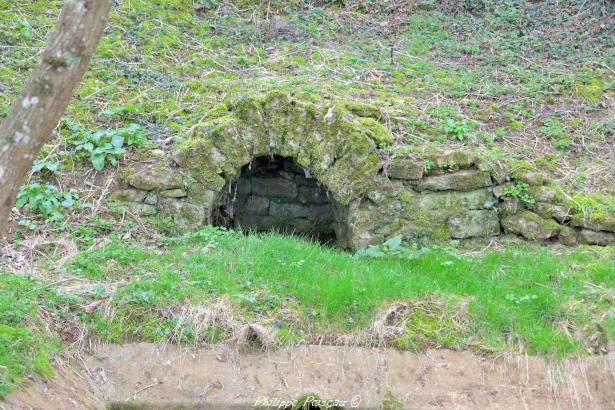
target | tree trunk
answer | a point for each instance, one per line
(34, 116)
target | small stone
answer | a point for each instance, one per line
(458, 181)
(406, 168)
(476, 199)
(547, 210)
(543, 193)
(185, 215)
(127, 195)
(567, 236)
(173, 193)
(596, 237)
(276, 187)
(530, 226)
(139, 209)
(499, 190)
(151, 199)
(312, 195)
(257, 205)
(499, 171)
(158, 176)
(474, 224)
(456, 158)
(510, 205)
(532, 177)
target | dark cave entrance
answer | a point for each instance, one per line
(276, 194)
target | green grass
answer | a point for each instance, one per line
(524, 296)
(24, 348)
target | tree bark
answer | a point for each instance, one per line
(34, 116)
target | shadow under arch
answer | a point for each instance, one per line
(274, 193)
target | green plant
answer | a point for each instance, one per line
(45, 167)
(457, 130)
(393, 247)
(556, 132)
(520, 191)
(46, 200)
(104, 146)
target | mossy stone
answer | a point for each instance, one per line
(158, 176)
(465, 180)
(531, 226)
(406, 168)
(376, 131)
(472, 224)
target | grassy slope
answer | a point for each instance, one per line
(202, 288)
(532, 81)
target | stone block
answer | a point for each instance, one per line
(532, 177)
(596, 237)
(139, 209)
(198, 194)
(466, 180)
(531, 226)
(543, 193)
(568, 236)
(274, 187)
(173, 193)
(257, 205)
(473, 224)
(558, 212)
(455, 158)
(184, 214)
(254, 222)
(596, 222)
(312, 195)
(510, 205)
(127, 195)
(244, 186)
(406, 168)
(151, 199)
(477, 199)
(157, 176)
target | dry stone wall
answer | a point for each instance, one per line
(359, 190)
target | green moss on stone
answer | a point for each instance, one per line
(363, 109)
(376, 131)
(219, 110)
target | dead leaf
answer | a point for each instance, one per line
(93, 306)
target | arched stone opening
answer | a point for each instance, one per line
(273, 193)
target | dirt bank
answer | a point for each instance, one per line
(157, 377)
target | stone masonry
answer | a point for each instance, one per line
(278, 162)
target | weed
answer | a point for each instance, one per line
(520, 191)
(46, 200)
(556, 132)
(457, 130)
(104, 146)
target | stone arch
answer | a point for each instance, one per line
(339, 150)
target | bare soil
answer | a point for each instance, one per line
(157, 377)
